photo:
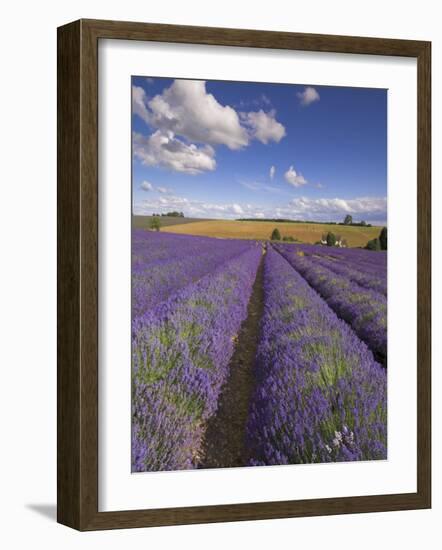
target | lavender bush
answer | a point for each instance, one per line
(354, 272)
(365, 310)
(163, 263)
(320, 395)
(181, 351)
(357, 259)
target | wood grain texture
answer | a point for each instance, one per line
(77, 225)
(252, 38)
(424, 274)
(68, 276)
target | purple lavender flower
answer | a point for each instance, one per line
(181, 352)
(364, 309)
(320, 395)
(163, 263)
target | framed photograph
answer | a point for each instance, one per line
(243, 274)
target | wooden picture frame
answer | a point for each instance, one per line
(77, 226)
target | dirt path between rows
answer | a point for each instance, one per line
(224, 441)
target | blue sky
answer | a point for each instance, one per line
(215, 149)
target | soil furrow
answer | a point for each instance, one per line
(224, 440)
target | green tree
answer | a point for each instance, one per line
(174, 214)
(276, 235)
(155, 223)
(383, 238)
(348, 219)
(331, 239)
(374, 244)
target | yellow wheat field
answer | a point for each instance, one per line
(305, 232)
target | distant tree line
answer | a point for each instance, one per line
(155, 219)
(347, 221)
(283, 220)
(173, 214)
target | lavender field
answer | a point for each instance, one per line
(250, 353)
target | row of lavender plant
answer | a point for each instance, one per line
(153, 246)
(360, 254)
(365, 310)
(181, 352)
(362, 276)
(364, 261)
(156, 279)
(320, 395)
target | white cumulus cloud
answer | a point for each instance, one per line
(167, 151)
(186, 109)
(194, 207)
(295, 179)
(272, 172)
(188, 122)
(308, 95)
(301, 208)
(334, 208)
(139, 99)
(263, 126)
(146, 186)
